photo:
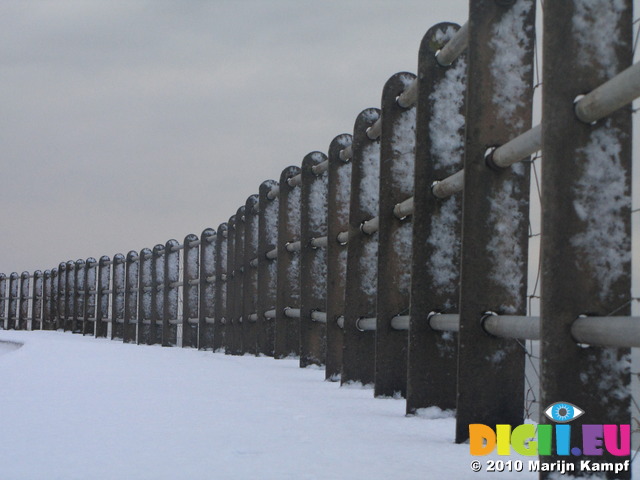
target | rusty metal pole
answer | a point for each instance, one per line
(23, 308)
(267, 267)
(358, 361)
(12, 313)
(70, 295)
(287, 330)
(495, 213)
(190, 291)
(313, 261)
(132, 272)
(221, 285)
(46, 301)
(228, 336)
(79, 296)
(61, 296)
(157, 295)
(3, 301)
(397, 158)
(102, 296)
(117, 297)
(250, 288)
(53, 319)
(145, 295)
(440, 122)
(207, 300)
(339, 191)
(238, 282)
(88, 321)
(37, 301)
(586, 217)
(170, 294)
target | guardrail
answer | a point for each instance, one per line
(369, 261)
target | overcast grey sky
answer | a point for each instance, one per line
(128, 122)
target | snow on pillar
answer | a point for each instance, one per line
(267, 267)
(313, 261)
(250, 277)
(190, 291)
(495, 213)
(586, 214)
(339, 191)
(440, 130)
(287, 330)
(358, 361)
(207, 305)
(132, 271)
(397, 158)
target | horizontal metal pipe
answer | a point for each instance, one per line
(293, 246)
(273, 193)
(404, 209)
(320, 317)
(321, 167)
(211, 279)
(292, 312)
(409, 96)
(272, 254)
(193, 321)
(374, 131)
(253, 317)
(444, 322)
(174, 321)
(454, 47)
(195, 243)
(366, 324)
(178, 247)
(295, 180)
(211, 238)
(512, 326)
(400, 322)
(610, 96)
(346, 154)
(209, 320)
(320, 242)
(147, 289)
(371, 226)
(194, 281)
(450, 185)
(270, 314)
(621, 332)
(343, 238)
(176, 284)
(253, 263)
(519, 148)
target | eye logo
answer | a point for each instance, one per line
(563, 412)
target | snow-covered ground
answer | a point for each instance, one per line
(85, 408)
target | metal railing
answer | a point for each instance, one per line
(322, 263)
